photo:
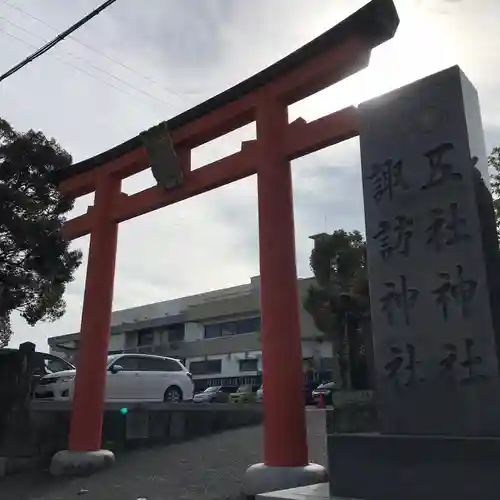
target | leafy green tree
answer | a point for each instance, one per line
(494, 163)
(35, 261)
(339, 301)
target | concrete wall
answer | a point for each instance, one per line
(193, 331)
(231, 306)
(314, 349)
(230, 366)
(174, 306)
(152, 423)
(220, 345)
(117, 342)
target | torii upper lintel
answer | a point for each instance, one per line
(294, 77)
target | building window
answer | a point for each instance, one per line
(248, 325)
(175, 333)
(326, 364)
(212, 331)
(145, 337)
(228, 328)
(128, 363)
(159, 365)
(249, 365)
(206, 367)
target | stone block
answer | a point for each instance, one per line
(383, 467)
(177, 426)
(75, 463)
(429, 247)
(319, 491)
(158, 423)
(137, 425)
(262, 478)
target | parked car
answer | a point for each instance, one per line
(130, 378)
(309, 388)
(245, 394)
(326, 389)
(215, 394)
(308, 393)
(259, 396)
(43, 364)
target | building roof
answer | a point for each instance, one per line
(172, 312)
(124, 327)
(134, 318)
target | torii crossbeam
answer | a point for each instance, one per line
(263, 98)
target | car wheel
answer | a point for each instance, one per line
(172, 395)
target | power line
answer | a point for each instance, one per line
(69, 64)
(87, 62)
(57, 39)
(102, 54)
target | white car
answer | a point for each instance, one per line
(131, 378)
(260, 394)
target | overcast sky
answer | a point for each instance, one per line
(138, 65)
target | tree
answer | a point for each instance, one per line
(339, 301)
(494, 163)
(35, 261)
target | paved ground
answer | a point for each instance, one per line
(210, 468)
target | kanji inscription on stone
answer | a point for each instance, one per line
(470, 363)
(386, 178)
(394, 236)
(403, 367)
(440, 168)
(455, 290)
(399, 298)
(447, 227)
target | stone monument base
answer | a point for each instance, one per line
(262, 478)
(404, 467)
(76, 463)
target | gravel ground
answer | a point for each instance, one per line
(210, 468)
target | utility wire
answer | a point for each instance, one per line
(56, 40)
(71, 65)
(102, 54)
(87, 62)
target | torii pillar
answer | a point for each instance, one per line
(285, 437)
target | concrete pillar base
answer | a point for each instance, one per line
(262, 478)
(80, 463)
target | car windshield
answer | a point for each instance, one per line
(245, 388)
(44, 363)
(112, 358)
(211, 389)
(327, 385)
(54, 365)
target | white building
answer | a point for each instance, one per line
(215, 334)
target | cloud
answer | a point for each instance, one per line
(187, 36)
(182, 53)
(492, 136)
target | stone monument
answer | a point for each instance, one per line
(430, 263)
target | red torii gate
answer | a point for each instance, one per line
(263, 98)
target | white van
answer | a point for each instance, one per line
(131, 378)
